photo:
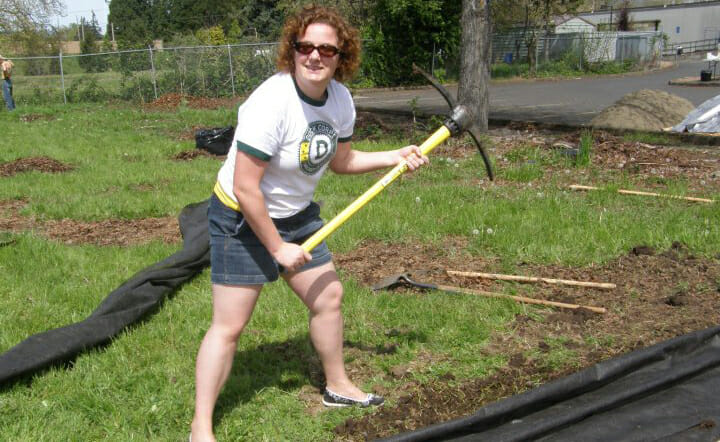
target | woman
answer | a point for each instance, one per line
(293, 126)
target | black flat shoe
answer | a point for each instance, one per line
(331, 399)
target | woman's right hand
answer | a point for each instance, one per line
(291, 256)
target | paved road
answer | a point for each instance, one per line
(572, 102)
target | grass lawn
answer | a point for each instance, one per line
(140, 386)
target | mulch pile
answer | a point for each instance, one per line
(39, 164)
(170, 102)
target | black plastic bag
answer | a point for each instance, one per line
(217, 141)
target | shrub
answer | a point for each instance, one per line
(86, 89)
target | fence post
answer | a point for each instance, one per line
(581, 51)
(152, 69)
(232, 75)
(62, 78)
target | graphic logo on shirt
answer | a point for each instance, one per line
(317, 147)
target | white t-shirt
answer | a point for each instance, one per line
(296, 134)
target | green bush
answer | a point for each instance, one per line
(137, 87)
(86, 90)
(505, 70)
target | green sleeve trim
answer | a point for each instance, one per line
(345, 139)
(252, 151)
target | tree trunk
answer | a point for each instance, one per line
(546, 33)
(532, 53)
(474, 60)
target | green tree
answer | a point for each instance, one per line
(263, 19)
(89, 45)
(132, 23)
(211, 36)
(400, 33)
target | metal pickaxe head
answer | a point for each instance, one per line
(461, 119)
(458, 121)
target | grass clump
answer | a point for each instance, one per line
(584, 149)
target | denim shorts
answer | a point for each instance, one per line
(237, 257)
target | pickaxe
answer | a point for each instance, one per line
(471, 128)
(456, 124)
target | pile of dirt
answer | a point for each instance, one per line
(646, 110)
(170, 102)
(39, 164)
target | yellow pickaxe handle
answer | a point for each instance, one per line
(431, 143)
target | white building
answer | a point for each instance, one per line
(681, 22)
(568, 24)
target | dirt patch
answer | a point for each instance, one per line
(674, 285)
(10, 219)
(189, 155)
(29, 118)
(38, 164)
(646, 109)
(170, 102)
(646, 166)
(102, 233)
(113, 232)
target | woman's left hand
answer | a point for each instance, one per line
(413, 156)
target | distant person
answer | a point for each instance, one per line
(6, 68)
(293, 127)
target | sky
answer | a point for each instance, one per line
(75, 9)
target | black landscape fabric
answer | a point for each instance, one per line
(134, 299)
(667, 392)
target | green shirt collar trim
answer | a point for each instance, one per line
(308, 100)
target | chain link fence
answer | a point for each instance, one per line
(236, 69)
(143, 74)
(577, 49)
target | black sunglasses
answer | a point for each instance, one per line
(307, 48)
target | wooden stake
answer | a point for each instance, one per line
(599, 285)
(637, 192)
(518, 298)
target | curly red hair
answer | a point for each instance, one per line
(348, 40)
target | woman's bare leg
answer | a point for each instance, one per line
(321, 291)
(232, 308)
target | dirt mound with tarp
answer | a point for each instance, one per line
(646, 110)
